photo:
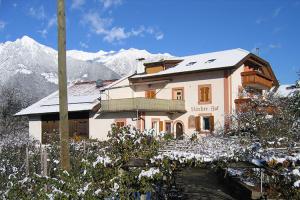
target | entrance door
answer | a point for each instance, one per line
(155, 127)
(179, 131)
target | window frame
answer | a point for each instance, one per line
(120, 121)
(209, 95)
(171, 125)
(211, 119)
(203, 123)
(174, 91)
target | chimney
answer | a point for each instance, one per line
(140, 68)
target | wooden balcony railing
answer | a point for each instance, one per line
(142, 104)
(256, 80)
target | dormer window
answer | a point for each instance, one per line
(190, 63)
(210, 60)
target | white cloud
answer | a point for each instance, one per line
(43, 32)
(260, 20)
(76, 4)
(275, 46)
(109, 3)
(83, 45)
(97, 24)
(276, 12)
(37, 13)
(159, 36)
(116, 34)
(103, 26)
(51, 22)
(2, 25)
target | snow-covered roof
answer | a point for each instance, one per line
(286, 90)
(81, 97)
(213, 60)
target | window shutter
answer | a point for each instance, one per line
(147, 94)
(161, 124)
(202, 95)
(152, 94)
(197, 123)
(206, 93)
(211, 123)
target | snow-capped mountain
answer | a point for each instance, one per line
(26, 56)
(31, 66)
(122, 62)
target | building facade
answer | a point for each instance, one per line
(178, 95)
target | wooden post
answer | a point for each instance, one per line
(42, 163)
(27, 161)
(62, 82)
(45, 163)
(84, 149)
(261, 181)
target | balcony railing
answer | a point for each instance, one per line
(142, 104)
(256, 79)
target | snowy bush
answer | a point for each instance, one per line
(269, 118)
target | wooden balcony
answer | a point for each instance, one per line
(256, 80)
(142, 104)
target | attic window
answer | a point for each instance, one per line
(210, 60)
(190, 63)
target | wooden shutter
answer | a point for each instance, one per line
(150, 94)
(202, 94)
(161, 126)
(197, 123)
(206, 94)
(211, 123)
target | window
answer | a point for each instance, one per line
(178, 93)
(157, 125)
(150, 94)
(168, 127)
(210, 60)
(204, 94)
(190, 63)
(208, 123)
(120, 122)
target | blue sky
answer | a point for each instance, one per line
(179, 27)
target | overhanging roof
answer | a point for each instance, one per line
(81, 97)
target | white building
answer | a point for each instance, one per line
(179, 95)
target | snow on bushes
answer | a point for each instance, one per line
(106, 169)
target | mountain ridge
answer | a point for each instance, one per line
(28, 60)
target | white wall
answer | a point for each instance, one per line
(236, 82)
(190, 84)
(35, 127)
(100, 124)
(118, 91)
